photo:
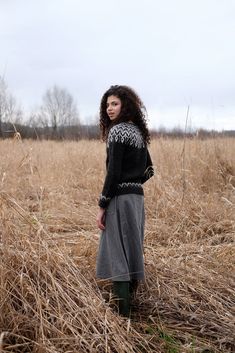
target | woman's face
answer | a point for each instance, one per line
(113, 108)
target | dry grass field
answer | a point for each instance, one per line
(50, 300)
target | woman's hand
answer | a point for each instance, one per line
(101, 218)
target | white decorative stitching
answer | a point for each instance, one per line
(126, 133)
(149, 171)
(104, 198)
(126, 185)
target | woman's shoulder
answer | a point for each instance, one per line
(127, 133)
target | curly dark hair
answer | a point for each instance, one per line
(132, 109)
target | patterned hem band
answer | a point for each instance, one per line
(128, 185)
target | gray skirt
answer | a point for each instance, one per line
(120, 254)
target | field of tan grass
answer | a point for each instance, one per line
(50, 300)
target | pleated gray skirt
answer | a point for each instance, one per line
(120, 254)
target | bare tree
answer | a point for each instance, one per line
(37, 119)
(9, 111)
(3, 104)
(58, 108)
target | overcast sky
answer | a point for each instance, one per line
(174, 53)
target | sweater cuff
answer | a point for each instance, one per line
(149, 172)
(104, 201)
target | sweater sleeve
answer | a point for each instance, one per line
(149, 171)
(114, 168)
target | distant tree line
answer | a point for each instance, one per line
(58, 118)
(73, 132)
(201, 133)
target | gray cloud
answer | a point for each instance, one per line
(174, 53)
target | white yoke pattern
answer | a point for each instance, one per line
(127, 133)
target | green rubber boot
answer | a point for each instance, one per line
(122, 292)
(133, 288)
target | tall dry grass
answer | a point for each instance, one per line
(50, 300)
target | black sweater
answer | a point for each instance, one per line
(128, 163)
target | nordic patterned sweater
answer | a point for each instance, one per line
(128, 163)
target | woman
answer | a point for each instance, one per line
(121, 204)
